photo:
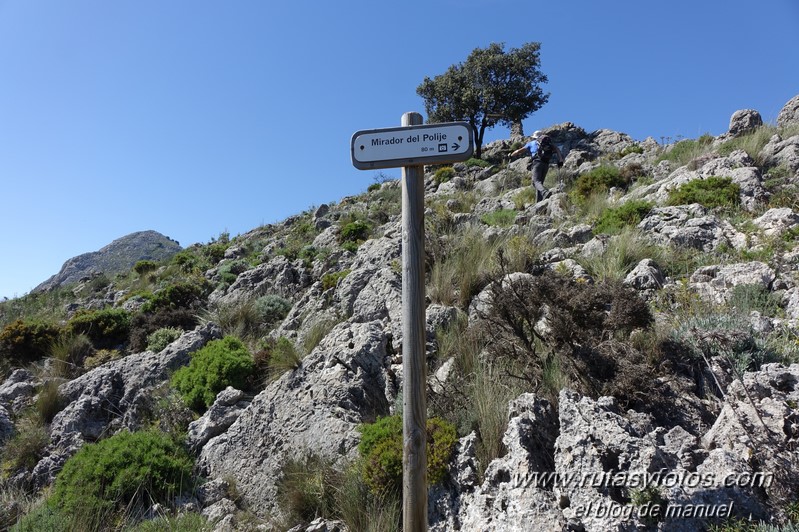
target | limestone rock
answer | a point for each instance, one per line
(789, 114)
(313, 409)
(227, 407)
(744, 121)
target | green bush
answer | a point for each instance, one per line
(124, 473)
(381, 448)
(356, 231)
(179, 295)
(444, 174)
(106, 328)
(474, 162)
(143, 267)
(27, 340)
(631, 213)
(221, 363)
(635, 148)
(158, 340)
(230, 270)
(599, 179)
(711, 192)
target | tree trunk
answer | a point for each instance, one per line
(516, 130)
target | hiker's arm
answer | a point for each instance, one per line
(517, 152)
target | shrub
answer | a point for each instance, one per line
(143, 267)
(221, 363)
(587, 327)
(599, 179)
(444, 174)
(630, 213)
(158, 340)
(479, 163)
(381, 448)
(711, 192)
(272, 308)
(124, 473)
(230, 270)
(179, 295)
(634, 148)
(27, 340)
(356, 231)
(106, 328)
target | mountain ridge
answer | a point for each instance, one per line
(119, 256)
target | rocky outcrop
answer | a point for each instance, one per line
(313, 409)
(594, 467)
(117, 257)
(112, 397)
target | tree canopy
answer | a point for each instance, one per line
(491, 87)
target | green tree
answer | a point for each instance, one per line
(491, 87)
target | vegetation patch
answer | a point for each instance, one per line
(221, 363)
(628, 214)
(711, 192)
(444, 174)
(598, 180)
(124, 473)
(500, 218)
(27, 340)
(381, 449)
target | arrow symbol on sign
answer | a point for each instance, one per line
(455, 146)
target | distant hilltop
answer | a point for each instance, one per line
(117, 257)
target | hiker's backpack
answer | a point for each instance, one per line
(545, 149)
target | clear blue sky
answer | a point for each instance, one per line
(197, 117)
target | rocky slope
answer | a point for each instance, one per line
(695, 428)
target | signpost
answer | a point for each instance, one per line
(410, 147)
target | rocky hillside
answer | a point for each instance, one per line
(623, 355)
(117, 257)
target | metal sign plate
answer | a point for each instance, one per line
(412, 145)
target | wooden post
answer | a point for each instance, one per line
(414, 365)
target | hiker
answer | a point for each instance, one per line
(542, 149)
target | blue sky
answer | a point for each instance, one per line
(198, 117)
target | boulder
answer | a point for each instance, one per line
(690, 226)
(714, 283)
(645, 276)
(744, 121)
(227, 407)
(789, 114)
